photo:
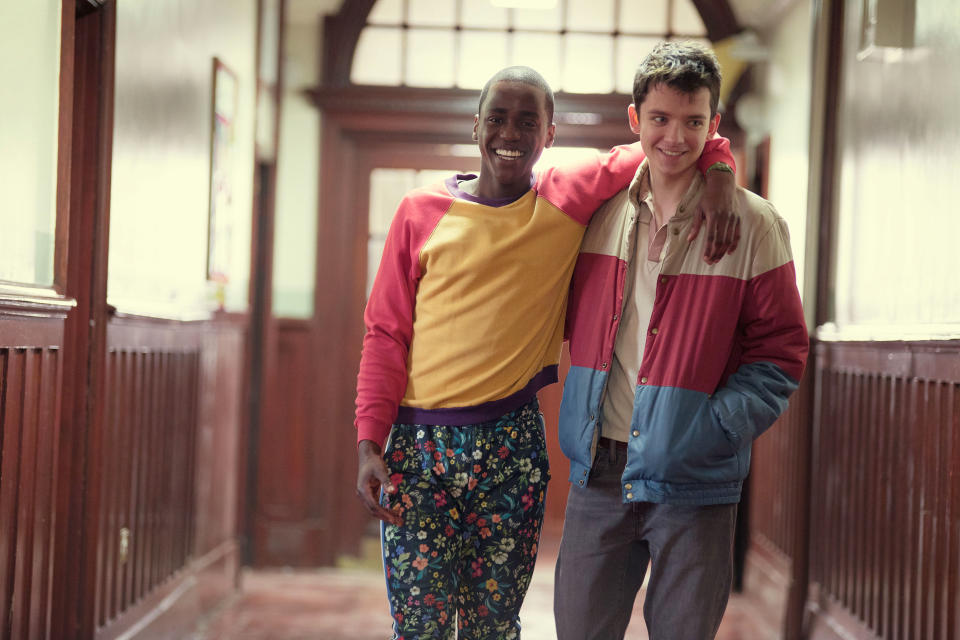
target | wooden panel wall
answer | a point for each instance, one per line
(147, 516)
(885, 536)
(293, 510)
(166, 551)
(778, 482)
(29, 377)
(778, 513)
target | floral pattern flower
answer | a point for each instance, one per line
(471, 498)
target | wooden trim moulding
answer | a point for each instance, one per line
(830, 620)
(375, 115)
(164, 600)
(934, 360)
(36, 306)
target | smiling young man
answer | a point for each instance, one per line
(464, 326)
(677, 364)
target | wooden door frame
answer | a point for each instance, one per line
(261, 346)
(88, 144)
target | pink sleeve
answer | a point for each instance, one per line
(388, 318)
(579, 189)
(716, 150)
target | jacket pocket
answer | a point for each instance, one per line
(689, 445)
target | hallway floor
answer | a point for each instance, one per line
(350, 604)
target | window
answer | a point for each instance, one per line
(580, 46)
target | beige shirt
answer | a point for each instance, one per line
(640, 289)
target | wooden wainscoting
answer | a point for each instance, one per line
(885, 546)
(168, 474)
(30, 370)
(776, 569)
(294, 502)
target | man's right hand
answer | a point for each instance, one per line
(372, 475)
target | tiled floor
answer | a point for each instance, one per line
(350, 604)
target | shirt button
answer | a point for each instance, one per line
(628, 486)
(635, 434)
(663, 280)
(654, 331)
(603, 366)
(643, 380)
(615, 316)
(581, 483)
(592, 416)
(629, 496)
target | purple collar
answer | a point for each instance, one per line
(453, 186)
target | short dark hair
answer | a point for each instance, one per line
(526, 75)
(685, 66)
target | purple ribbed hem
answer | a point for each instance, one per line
(453, 186)
(456, 416)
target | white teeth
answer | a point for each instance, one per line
(508, 153)
(671, 153)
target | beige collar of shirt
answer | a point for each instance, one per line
(639, 193)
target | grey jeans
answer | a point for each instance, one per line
(604, 554)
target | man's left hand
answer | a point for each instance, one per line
(717, 210)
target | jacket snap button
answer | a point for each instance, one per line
(581, 483)
(635, 434)
(643, 380)
(603, 366)
(628, 486)
(629, 496)
(654, 331)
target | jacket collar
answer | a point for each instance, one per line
(639, 192)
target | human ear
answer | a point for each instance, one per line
(476, 125)
(551, 132)
(633, 118)
(714, 123)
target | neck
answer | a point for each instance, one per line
(489, 189)
(667, 192)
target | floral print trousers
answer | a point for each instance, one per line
(472, 500)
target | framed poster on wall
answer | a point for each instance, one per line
(222, 174)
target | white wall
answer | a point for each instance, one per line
(29, 101)
(788, 86)
(298, 174)
(161, 159)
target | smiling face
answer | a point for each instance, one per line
(512, 129)
(673, 127)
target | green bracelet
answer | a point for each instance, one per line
(720, 166)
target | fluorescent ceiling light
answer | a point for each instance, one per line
(525, 4)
